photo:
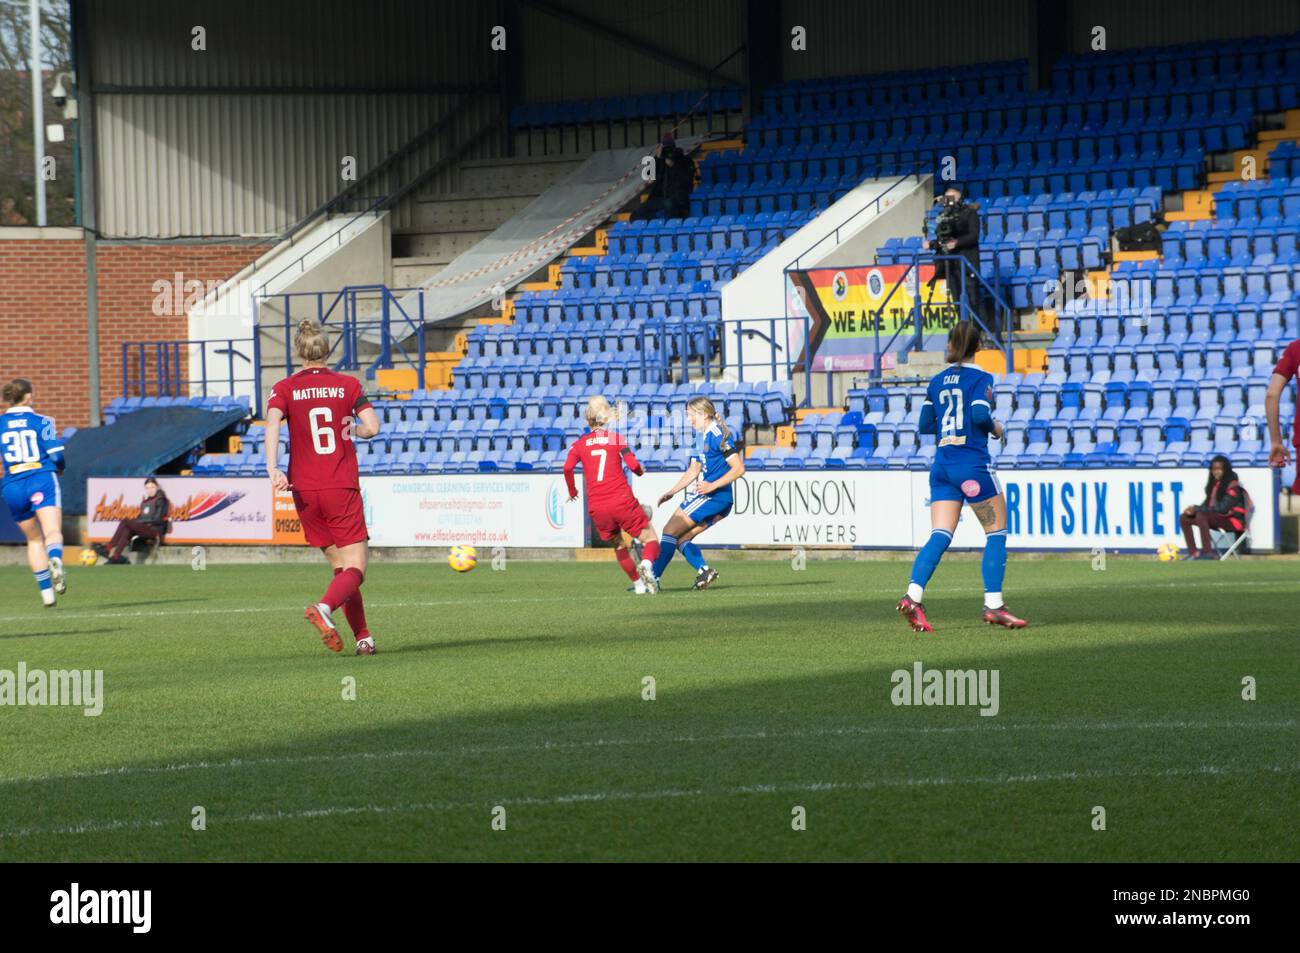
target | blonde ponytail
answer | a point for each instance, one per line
(311, 342)
(705, 406)
(599, 412)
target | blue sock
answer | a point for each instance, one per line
(927, 561)
(43, 579)
(667, 547)
(56, 552)
(994, 564)
(691, 553)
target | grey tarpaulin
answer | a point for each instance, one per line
(137, 444)
(536, 236)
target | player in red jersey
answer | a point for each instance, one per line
(610, 502)
(1287, 368)
(325, 411)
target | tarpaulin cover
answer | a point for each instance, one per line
(137, 444)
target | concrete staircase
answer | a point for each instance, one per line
(490, 191)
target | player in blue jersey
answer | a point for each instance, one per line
(719, 460)
(31, 457)
(959, 410)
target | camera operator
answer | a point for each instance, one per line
(957, 232)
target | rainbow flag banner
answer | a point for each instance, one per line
(841, 304)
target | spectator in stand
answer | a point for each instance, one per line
(964, 220)
(1226, 507)
(152, 524)
(655, 196)
(674, 181)
(679, 183)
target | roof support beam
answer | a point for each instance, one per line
(622, 39)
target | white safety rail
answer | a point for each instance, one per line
(328, 254)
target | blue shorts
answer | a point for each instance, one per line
(964, 482)
(34, 491)
(706, 510)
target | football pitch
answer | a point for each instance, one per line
(520, 699)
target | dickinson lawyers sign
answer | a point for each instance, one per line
(796, 508)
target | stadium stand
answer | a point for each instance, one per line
(1162, 361)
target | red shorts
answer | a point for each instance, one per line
(331, 517)
(625, 515)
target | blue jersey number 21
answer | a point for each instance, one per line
(951, 401)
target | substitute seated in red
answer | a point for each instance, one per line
(1225, 508)
(151, 524)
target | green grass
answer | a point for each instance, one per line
(523, 689)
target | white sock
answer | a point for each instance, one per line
(324, 610)
(47, 596)
(992, 600)
(915, 592)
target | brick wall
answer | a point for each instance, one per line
(43, 310)
(128, 281)
(43, 323)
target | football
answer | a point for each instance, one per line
(462, 558)
(1167, 552)
(89, 557)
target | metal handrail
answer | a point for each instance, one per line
(168, 380)
(708, 91)
(903, 177)
(373, 209)
(376, 203)
(779, 362)
(1002, 337)
(349, 324)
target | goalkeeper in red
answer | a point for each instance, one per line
(603, 454)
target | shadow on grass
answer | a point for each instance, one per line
(462, 644)
(1149, 725)
(41, 635)
(144, 602)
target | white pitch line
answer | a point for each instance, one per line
(591, 797)
(478, 601)
(597, 743)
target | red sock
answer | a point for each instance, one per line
(343, 588)
(625, 560)
(354, 610)
(650, 550)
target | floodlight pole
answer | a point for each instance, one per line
(38, 111)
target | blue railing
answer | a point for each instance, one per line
(351, 312)
(167, 368)
(753, 349)
(1001, 321)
